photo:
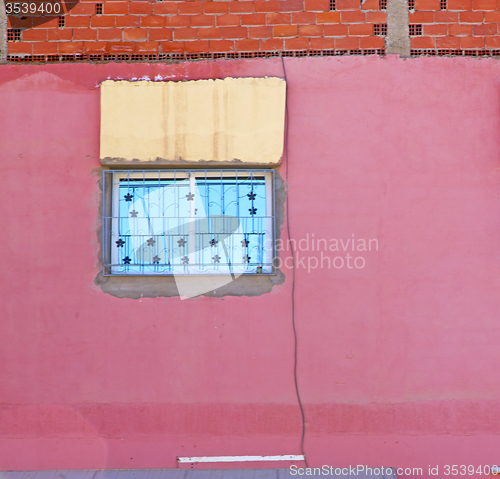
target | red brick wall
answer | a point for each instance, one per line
(143, 29)
(149, 30)
(463, 26)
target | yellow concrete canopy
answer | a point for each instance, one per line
(235, 120)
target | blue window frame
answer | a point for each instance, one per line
(169, 222)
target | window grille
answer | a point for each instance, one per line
(185, 222)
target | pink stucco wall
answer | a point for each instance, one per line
(398, 360)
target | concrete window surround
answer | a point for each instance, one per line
(136, 287)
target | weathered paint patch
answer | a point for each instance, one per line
(232, 120)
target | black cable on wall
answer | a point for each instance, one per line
(293, 271)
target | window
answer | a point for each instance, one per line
(188, 222)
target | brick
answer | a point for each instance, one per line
(446, 17)
(353, 17)
(266, 5)
(135, 34)
(240, 7)
(210, 33)
(492, 42)
(328, 17)
(77, 22)
(191, 7)
(348, 5)
(492, 17)
(291, 5)
(322, 44)
(335, 30)
(421, 17)
(457, 29)
(229, 20)
(141, 8)
(18, 48)
(203, 20)
(427, 5)
(246, 45)
(51, 24)
(45, 48)
(115, 8)
(297, 44)
(372, 42)
(471, 17)
(70, 47)
(221, 46)
(260, 32)
(360, 29)
(178, 21)
(83, 8)
(95, 47)
(14, 22)
(216, 7)
(185, 33)
(153, 21)
(172, 47)
(448, 42)
(370, 5)
(35, 35)
(278, 19)
(128, 21)
(166, 8)
(161, 34)
(271, 44)
(303, 17)
(423, 42)
(285, 31)
(438, 29)
(196, 46)
(121, 47)
(484, 5)
(234, 32)
(109, 34)
(472, 42)
(57, 34)
(485, 29)
(146, 47)
(376, 17)
(311, 30)
(347, 43)
(316, 5)
(103, 21)
(253, 19)
(84, 34)
(459, 4)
